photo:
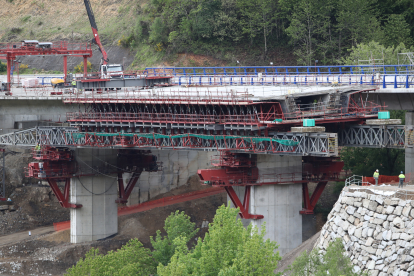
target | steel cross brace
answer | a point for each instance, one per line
(310, 202)
(244, 208)
(63, 198)
(125, 192)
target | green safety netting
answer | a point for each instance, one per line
(77, 136)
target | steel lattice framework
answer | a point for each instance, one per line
(386, 136)
(312, 144)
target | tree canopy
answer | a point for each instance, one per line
(334, 262)
(228, 249)
(321, 30)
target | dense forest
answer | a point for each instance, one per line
(323, 30)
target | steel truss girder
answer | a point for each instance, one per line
(309, 144)
(373, 136)
(53, 136)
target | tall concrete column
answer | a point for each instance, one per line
(409, 149)
(279, 204)
(98, 217)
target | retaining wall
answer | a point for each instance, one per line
(377, 231)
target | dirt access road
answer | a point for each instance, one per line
(24, 235)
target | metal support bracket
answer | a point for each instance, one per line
(125, 192)
(310, 202)
(63, 198)
(244, 208)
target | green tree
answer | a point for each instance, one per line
(258, 19)
(397, 31)
(158, 32)
(357, 23)
(176, 225)
(227, 249)
(308, 26)
(334, 262)
(3, 67)
(131, 259)
(374, 50)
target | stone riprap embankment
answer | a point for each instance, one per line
(377, 232)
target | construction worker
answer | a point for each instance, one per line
(376, 176)
(402, 178)
(37, 149)
(74, 83)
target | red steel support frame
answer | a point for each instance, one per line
(125, 192)
(244, 208)
(10, 51)
(65, 66)
(310, 202)
(63, 198)
(85, 66)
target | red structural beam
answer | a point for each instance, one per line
(10, 51)
(243, 207)
(165, 201)
(125, 192)
(62, 197)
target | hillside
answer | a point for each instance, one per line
(56, 20)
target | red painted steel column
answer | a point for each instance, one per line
(85, 66)
(9, 61)
(65, 66)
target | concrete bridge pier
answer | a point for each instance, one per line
(279, 204)
(409, 149)
(98, 217)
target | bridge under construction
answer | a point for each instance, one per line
(260, 133)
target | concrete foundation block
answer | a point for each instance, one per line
(383, 122)
(308, 129)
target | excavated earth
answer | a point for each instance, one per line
(47, 252)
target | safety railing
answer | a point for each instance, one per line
(356, 180)
(285, 70)
(49, 153)
(263, 179)
(167, 118)
(161, 96)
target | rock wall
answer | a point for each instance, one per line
(377, 232)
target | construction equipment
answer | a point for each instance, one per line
(57, 83)
(106, 70)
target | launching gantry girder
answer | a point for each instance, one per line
(286, 143)
(377, 136)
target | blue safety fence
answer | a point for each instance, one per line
(282, 70)
(390, 81)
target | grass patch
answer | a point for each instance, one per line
(146, 56)
(25, 19)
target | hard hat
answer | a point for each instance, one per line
(377, 170)
(402, 172)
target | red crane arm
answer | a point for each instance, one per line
(96, 40)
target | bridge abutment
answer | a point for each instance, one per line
(98, 217)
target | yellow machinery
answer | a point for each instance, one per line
(57, 82)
